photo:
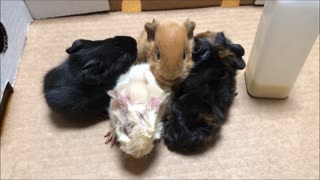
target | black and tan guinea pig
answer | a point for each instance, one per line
(77, 87)
(201, 104)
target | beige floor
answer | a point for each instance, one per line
(262, 139)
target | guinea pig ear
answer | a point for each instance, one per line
(151, 29)
(155, 103)
(230, 57)
(228, 52)
(190, 26)
(238, 63)
(76, 46)
(236, 60)
(238, 49)
(120, 100)
(112, 94)
(219, 39)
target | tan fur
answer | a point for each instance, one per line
(226, 53)
(171, 40)
(207, 34)
(143, 47)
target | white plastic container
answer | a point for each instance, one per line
(285, 36)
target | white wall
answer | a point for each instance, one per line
(16, 19)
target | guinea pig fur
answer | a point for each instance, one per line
(77, 87)
(134, 111)
(167, 47)
(200, 106)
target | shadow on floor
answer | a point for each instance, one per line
(75, 122)
(276, 105)
(138, 166)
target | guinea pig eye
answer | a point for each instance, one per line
(158, 55)
(184, 56)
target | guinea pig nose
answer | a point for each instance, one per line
(179, 79)
(171, 79)
(156, 141)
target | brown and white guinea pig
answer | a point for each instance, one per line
(167, 47)
(134, 111)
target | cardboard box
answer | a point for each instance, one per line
(16, 19)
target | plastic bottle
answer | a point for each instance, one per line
(285, 36)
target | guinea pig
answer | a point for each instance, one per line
(77, 87)
(167, 47)
(134, 111)
(200, 106)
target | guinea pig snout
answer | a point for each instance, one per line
(170, 79)
(140, 151)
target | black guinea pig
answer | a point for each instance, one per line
(77, 88)
(200, 105)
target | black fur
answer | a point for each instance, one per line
(77, 87)
(200, 106)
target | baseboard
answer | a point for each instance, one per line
(4, 104)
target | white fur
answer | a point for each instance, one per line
(137, 126)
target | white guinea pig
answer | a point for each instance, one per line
(134, 111)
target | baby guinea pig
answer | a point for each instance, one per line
(76, 88)
(166, 46)
(134, 111)
(200, 106)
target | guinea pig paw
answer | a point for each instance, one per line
(111, 137)
(157, 141)
(76, 45)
